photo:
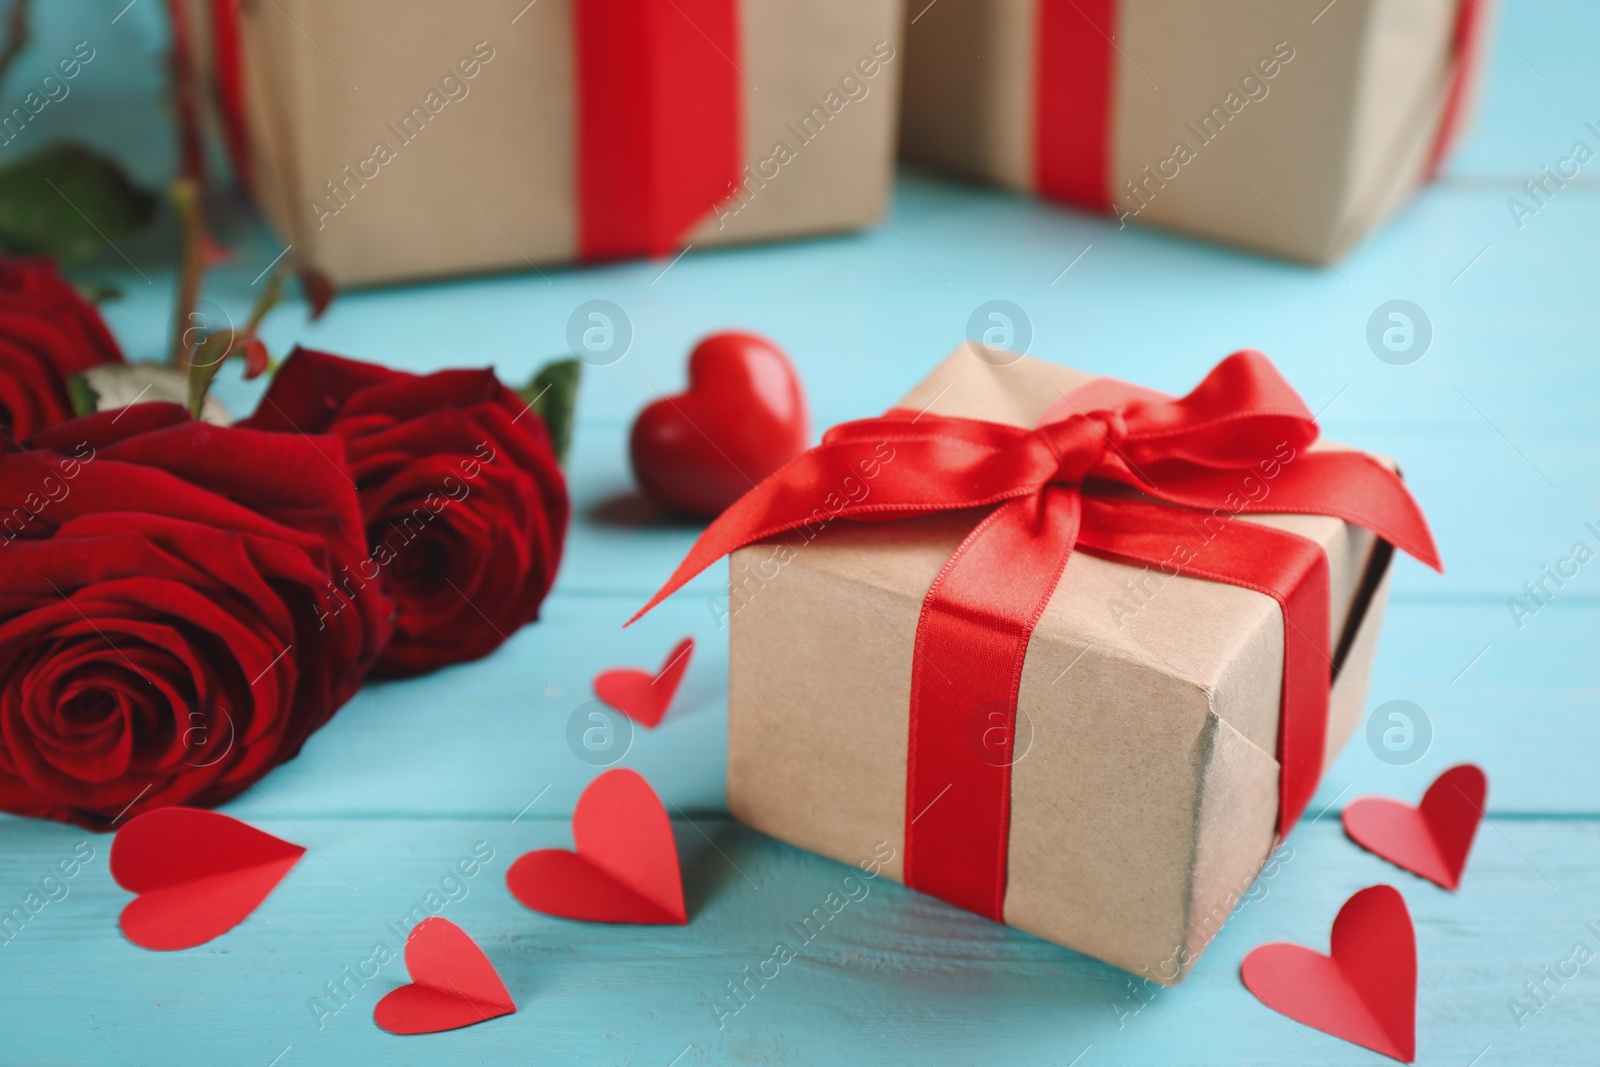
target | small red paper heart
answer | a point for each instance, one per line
(198, 874)
(1431, 839)
(742, 417)
(453, 984)
(625, 867)
(1365, 991)
(641, 696)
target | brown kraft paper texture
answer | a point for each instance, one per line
(1145, 791)
(389, 147)
(1291, 128)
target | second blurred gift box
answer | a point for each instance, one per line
(1291, 128)
(388, 146)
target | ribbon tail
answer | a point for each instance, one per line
(1358, 489)
(1346, 485)
(966, 672)
(873, 469)
(1293, 570)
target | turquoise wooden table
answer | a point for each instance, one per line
(1496, 426)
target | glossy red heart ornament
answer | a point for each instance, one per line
(742, 417)
(1431, 839)
(453, 984)
(1364, 990)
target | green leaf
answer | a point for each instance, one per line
(67, 201)
(85, 400)
(552, 395)
(204, 364)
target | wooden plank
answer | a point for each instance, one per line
(1478, 488)
(484, 740)
(1496, 429)
(893, 978)
(864, 316)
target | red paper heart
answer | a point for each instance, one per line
(742, 418)
(641, 696)
(1431, 839)
(453, 984)
(1365, 991)
(198, 874)
(625, 866)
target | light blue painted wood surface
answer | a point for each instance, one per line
(1497, 431)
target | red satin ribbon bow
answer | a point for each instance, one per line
(1064, 485)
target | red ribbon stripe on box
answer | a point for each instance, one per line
(1464, 54)
(1060, 487)
(1074, 97)
(659, 120)
(228, 58)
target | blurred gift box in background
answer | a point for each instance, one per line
(1105, 104)
(592, 129)
(606, 129)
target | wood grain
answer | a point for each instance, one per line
(1495, 428)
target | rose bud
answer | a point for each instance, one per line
(464, 504)
(175, 618)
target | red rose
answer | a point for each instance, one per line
(464, 503)
(170, 627)
(47, 334)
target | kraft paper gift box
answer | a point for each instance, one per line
(389, 143)
(1290, 127)
(1144, 798)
